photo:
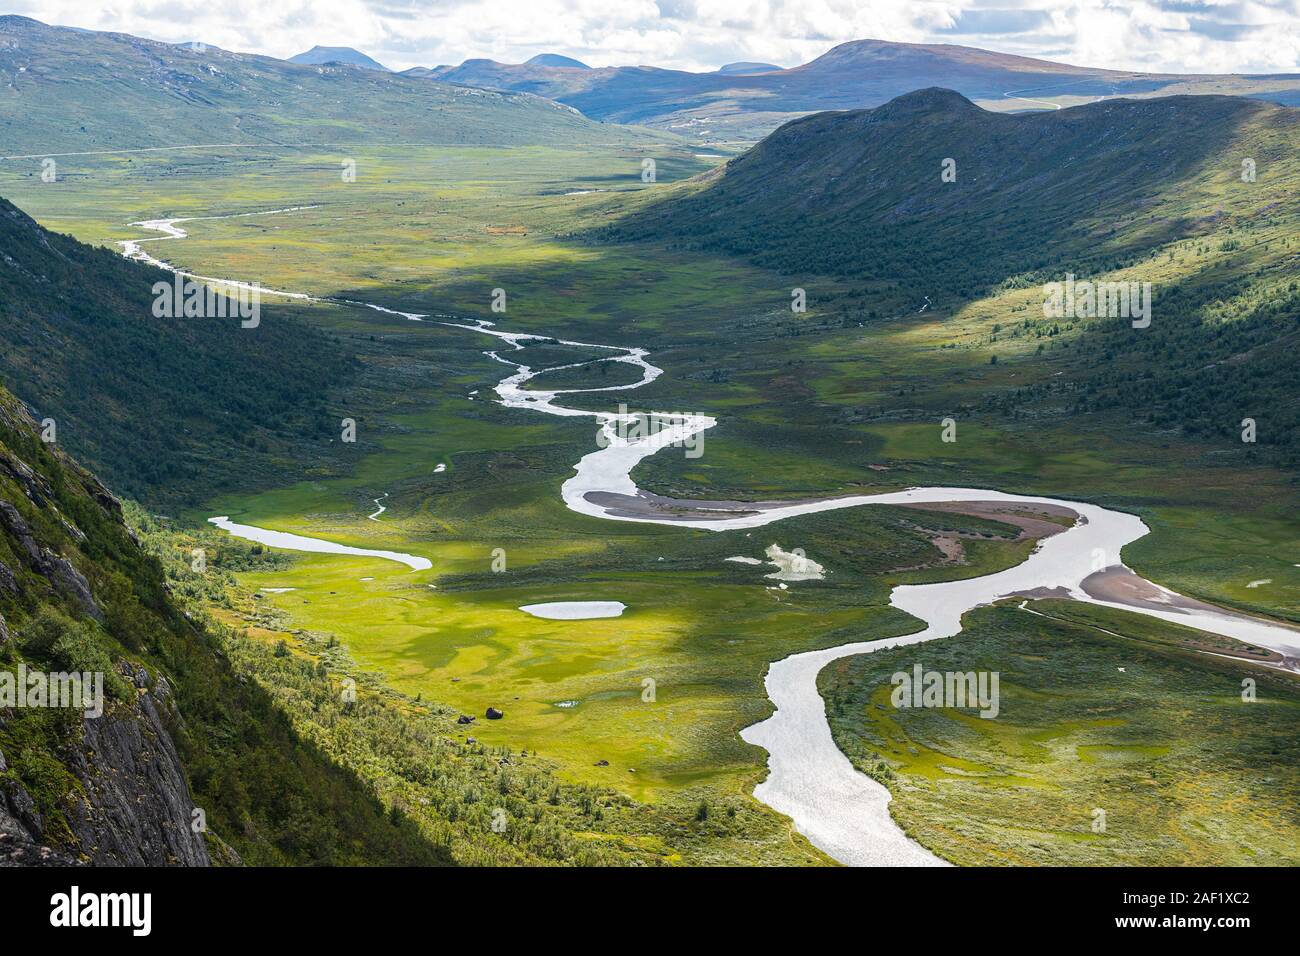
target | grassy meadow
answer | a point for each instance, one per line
(1184, 770)
(844, 398)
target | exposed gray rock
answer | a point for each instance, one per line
(19, 811)
(138, 808)
(35, 485)
(8, 581)
(18, 529)
(15, 851)
(72, 530)
(20, 830)
(69, 580)
(106, 498)
(58, 569)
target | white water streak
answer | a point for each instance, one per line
(842, 811)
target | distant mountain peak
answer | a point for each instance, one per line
(854, 54)
(556, 60)
(747, 68)
(320, 55)
(932, 99)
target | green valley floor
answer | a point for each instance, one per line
(847, 398)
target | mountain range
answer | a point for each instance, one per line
(746, 101)
(61, 85)
(64, 90)
(886, 197)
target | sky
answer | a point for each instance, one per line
(1185, 36)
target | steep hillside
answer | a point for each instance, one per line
(750, 100)
(162, 408)
(65, 90)
(861, 194)
(1147, 190)
(179, 731)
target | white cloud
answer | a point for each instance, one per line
(1146, 35)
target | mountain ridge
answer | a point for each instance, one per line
(70, 90)
(852, 75)
(853, 173)
(943, 207)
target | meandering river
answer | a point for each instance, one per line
(842, 811)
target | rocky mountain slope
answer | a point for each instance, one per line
(185, 763)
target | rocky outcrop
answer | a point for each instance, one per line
(8, 581)
(134, 806)
(57, 569)
(36, 486)
(70, 581)
(21, 828)
(106, 499)
(19, 846)
(137, 809)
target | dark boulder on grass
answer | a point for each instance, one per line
(494, 714)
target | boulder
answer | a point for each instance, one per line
(494, 714)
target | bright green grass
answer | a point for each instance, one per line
(806, 404)
(1186, 772)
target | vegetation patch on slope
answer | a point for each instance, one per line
(165, 409)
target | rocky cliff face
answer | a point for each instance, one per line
(135, 808)
(138, 810)
(108, 789)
